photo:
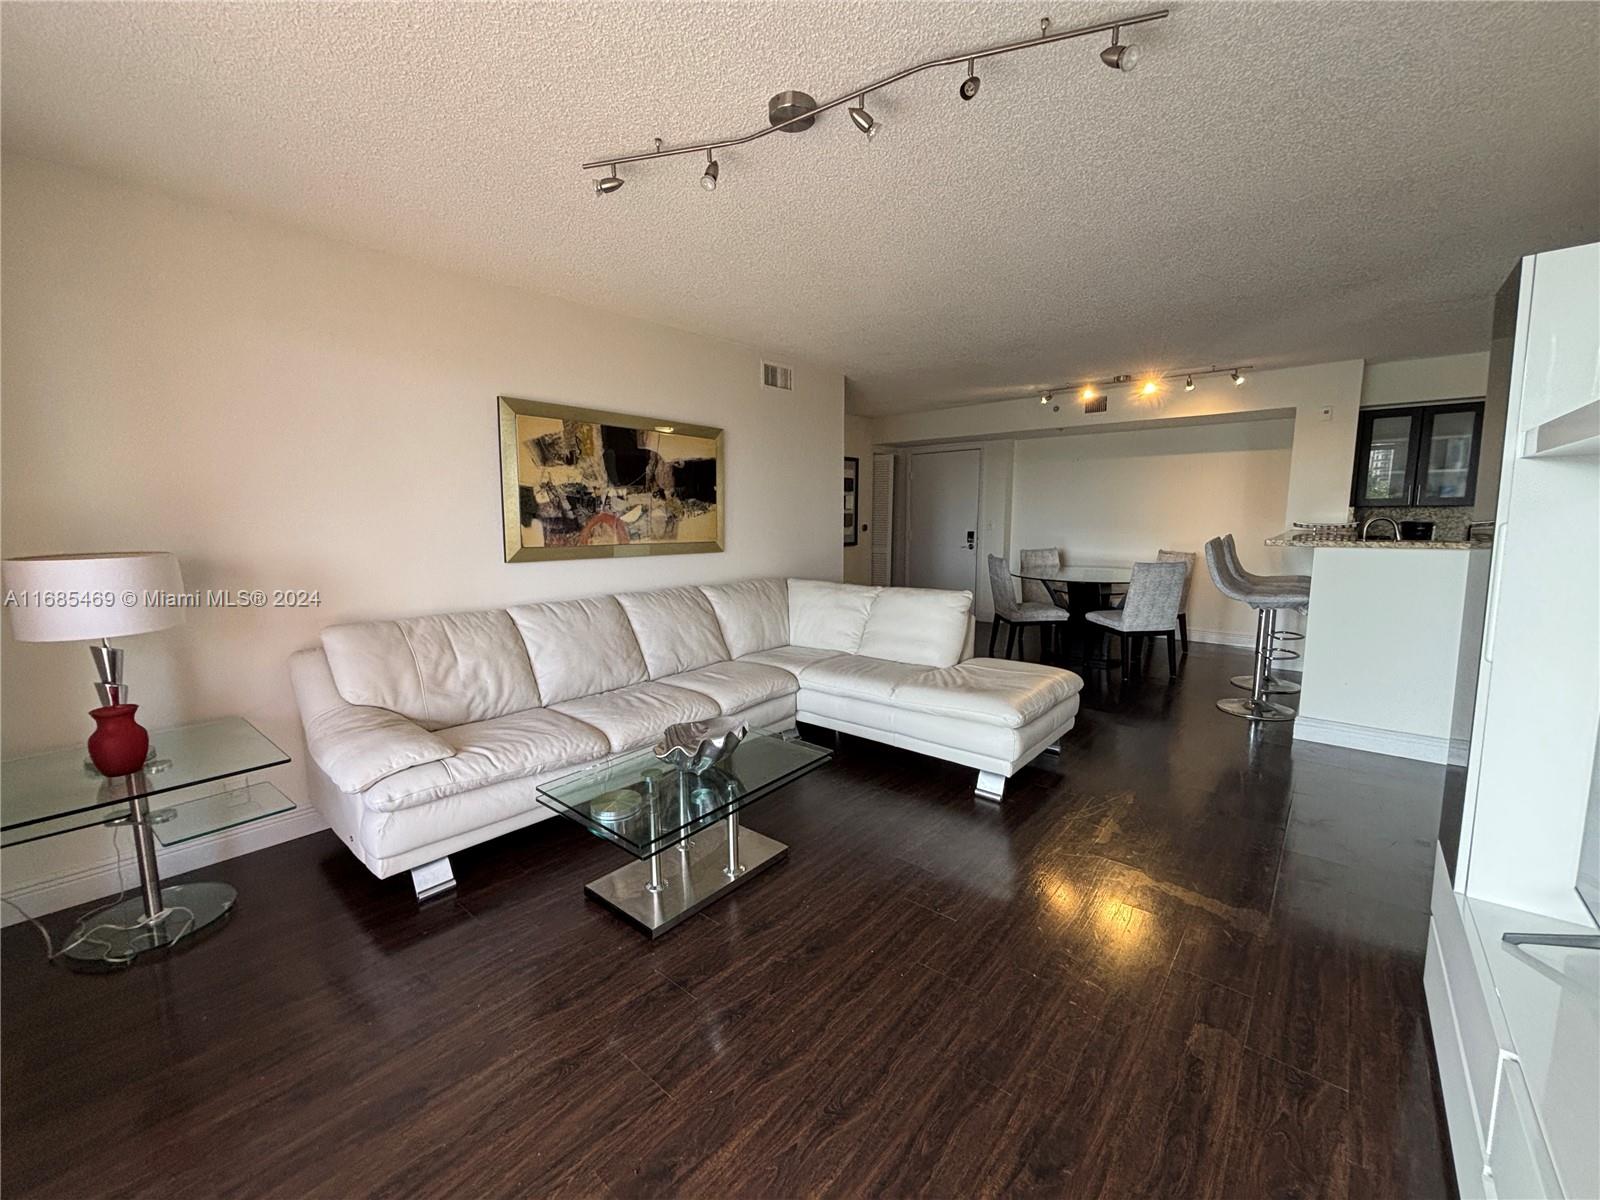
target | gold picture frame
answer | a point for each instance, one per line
(585, 483)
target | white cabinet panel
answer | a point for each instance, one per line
(1563, 363)
(1518, 1159)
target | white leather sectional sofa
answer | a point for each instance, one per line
(430, 734)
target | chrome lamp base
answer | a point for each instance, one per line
(657, 893)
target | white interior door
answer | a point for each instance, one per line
(942, 516)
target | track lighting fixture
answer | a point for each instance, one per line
(1118, 56)
(1147, 387)
(862, 118)
(969, 85)
(794, 111)
(1046, 398)
(709, 179)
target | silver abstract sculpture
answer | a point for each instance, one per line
(700, 745)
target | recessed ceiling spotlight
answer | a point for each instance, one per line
(969, 85)
(1117, 56)
(611, 183)
(863, 119)
(1236, 377)
(709, 179)
(1188, 384)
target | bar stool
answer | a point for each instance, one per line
(1276, 685)
(1266, 601)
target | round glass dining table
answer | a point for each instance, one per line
(1082, 588)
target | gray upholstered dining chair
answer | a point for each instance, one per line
(1017, 615)
(1151, 610)
(1042, 562)
(1187, 559)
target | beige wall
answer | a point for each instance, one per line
(858, 444)
(285, 411)
(1119, 497)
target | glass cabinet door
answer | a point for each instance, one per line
(1385, 457)
(1449, 463)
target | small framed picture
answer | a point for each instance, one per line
(852, 524)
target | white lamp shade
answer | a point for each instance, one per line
(85, 597)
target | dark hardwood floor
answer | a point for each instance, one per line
(1183, 961)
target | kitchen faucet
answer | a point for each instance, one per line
(1367, 524)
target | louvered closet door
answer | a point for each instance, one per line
(882, 517)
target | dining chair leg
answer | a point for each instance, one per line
(1011, 638)
(1127, 655)
(994, 630)
(1172, 654)
(1183, 630)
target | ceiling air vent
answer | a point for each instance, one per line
(774, 376)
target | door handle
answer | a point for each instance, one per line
(972, 539)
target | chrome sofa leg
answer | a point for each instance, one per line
(1054, 747)
(433, 879)
(991, 786)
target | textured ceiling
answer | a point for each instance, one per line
(1276, 183)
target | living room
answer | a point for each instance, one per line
(502, 745)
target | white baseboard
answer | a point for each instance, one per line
(1451, 751)
(71, 888)
(1223, 637)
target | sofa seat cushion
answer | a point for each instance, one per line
(736, 686)
(633, 717)
(793, 659)
(517, 746)
(859, 677)
(996, 691)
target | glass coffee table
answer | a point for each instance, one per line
(654, 812)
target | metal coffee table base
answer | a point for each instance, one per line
(689, 876)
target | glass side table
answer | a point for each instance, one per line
(42, 795)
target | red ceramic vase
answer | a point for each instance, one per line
(118, 744)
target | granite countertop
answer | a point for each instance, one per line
(1301, 540)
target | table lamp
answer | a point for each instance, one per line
(96, 597)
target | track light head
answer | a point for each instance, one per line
(1088, 393)
(1188, 383)
(709, 179)
(1046, 398)
(863, 119)
(970, 85)
(1236, 377)
(1119, 57)
(611, 183)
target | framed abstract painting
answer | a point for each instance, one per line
(581, 483)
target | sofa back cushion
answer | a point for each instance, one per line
(828, 616)
(753, 614)
(579, 647)
(676, 629)
(925, 626)
(437, 671)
